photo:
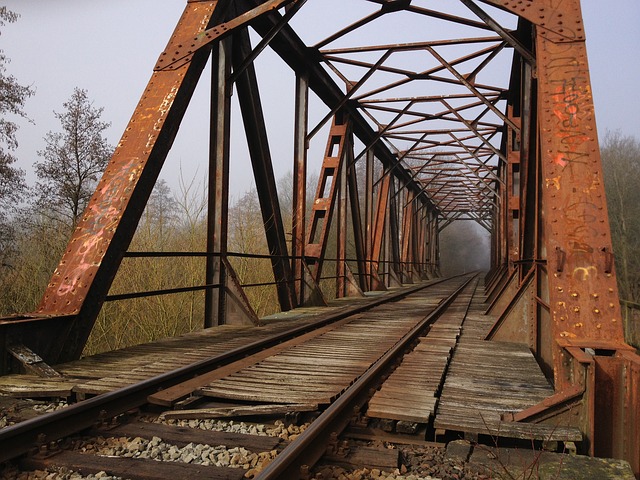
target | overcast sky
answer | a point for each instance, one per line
(110, 47)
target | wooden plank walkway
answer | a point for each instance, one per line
(319, 370)
(409, 394)
(105, 372)
(484, 379)
(487, 379)
(109, 371)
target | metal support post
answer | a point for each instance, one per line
(300, 150)
(256, 133)
(369, 215)
(356, 217)
(341, 212)
(218, 200)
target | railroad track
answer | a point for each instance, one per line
(325, 375)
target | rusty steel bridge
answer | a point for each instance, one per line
(480, 111)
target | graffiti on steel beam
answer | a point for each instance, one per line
(573, 180)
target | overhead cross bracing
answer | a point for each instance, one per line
(431, 112)
(439, 99)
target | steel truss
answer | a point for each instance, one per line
(438, 139)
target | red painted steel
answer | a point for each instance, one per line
(520, 158)
(327, 194)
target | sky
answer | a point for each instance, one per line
(110, 47)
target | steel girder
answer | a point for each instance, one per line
(554, 236)
(440, 139)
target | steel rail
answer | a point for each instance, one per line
(310, 445)
(26, 436)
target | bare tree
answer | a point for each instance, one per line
(621, 164)
(72, 160)
(158, 218)
(13, 97)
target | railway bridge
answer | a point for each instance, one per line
(417, 115)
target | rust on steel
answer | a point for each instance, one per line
(327, 193)
(580, 292)
(84, 274)
(440, 141)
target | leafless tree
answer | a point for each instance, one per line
(621, 164)
(13, 97)
(72, 160)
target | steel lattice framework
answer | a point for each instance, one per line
(475, 110)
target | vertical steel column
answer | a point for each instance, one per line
(256, 133)
(378, 251)
(416, 231)
(530, 169)
(300, 149)
(423, 241)
(392, 249)
(356, 220)
(431, 241)
(386, 242)
(341, 212)
(407, 237)
(434, 251)
(495, 226)
(419, 240)
(369, 215)
(503, 202)
(218, 199)
(394, 230)
(513, 188)
(377, 245)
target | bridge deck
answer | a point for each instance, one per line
(423, 370)
(486, 379)
(107, 371)
(317, 371)
(452, 377)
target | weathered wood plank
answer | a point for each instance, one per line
(239, 411)
(379, 458)
(23, 386)
(523, 431)
(181, 436)
(273, 396)
(131, 468)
